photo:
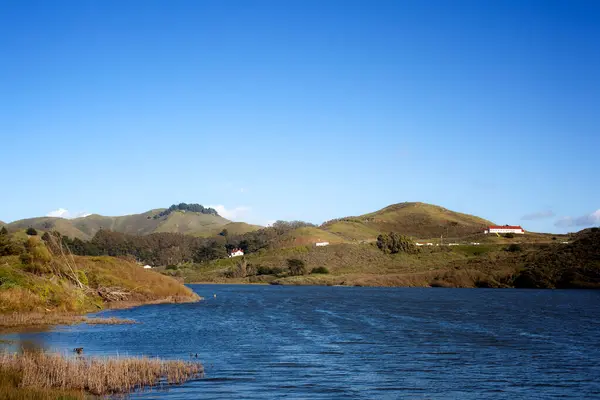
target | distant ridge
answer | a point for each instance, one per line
(419, 220)
(181, 218)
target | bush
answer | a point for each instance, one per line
(319, 270)
(509, 235)
(260, 270)
(595, 229)
(395, 243)
(171, 267)
(296, 266)
(31, 231)
(513, 248)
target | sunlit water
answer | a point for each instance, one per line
(261, 342)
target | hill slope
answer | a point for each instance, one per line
(153, 221)
(419, 220)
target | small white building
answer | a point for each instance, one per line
(321, 244)
(505, 229)
(236, 253)
(147, 267)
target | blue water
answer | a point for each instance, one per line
(260, 342)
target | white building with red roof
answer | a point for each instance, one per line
(505, 229)
(236, 253)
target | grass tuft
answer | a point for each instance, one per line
(98, 376)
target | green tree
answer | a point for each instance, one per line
(224, 232)
(396, 243)
(3, 231)
(296, 266)
(383, 242)
(8, 247)
(31, 231)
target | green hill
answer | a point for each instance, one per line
(153, 221)
(419, 220)
(64, 226)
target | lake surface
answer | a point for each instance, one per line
(260, 342)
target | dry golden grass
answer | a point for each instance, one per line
(98, 376)
(90, 284)
(14, 320)
(10, 390)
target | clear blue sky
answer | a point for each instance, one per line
(302, 109)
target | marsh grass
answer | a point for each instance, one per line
(97, 376)
(14, 320)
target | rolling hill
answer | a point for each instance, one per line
(419, 220)
(153, 221)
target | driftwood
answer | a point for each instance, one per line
(113, 293)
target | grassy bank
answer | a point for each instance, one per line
(39, 375)
(363, 265)
(43, 286)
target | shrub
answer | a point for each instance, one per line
(553, 237)
(26, 258)
(319, 270)
(395, 243)
(31, 231)
(262, 270)
(513, 248)
(171, 267)
(595, 229)
(296, 266)
(509, 235)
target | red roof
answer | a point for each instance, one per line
(505, 227)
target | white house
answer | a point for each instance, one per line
(236, 253)
(147, 267)
(320, 244)
(505, 229)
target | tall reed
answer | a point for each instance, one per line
(98, 376)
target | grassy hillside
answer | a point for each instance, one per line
(190, 223)
(39, 276)
(553, 264)
(360, 264)
(307, 236)
(135, 224)
(235, 228)
(185, 222)
(45, 224)
(419, 220)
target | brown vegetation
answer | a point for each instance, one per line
(99, 376)
(13, 320)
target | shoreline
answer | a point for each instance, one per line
(17, 320)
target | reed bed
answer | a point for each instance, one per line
(97, 376)
(44, 319)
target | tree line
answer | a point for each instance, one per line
(161, 248)
(187, 207)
